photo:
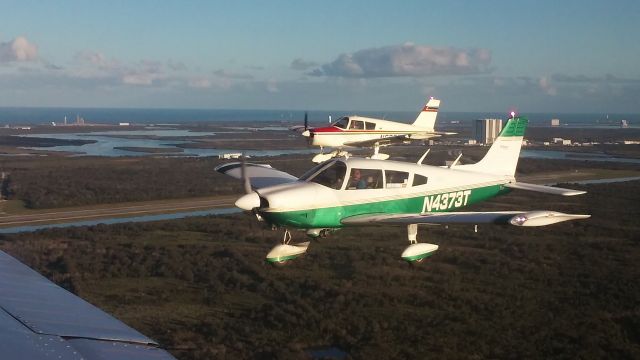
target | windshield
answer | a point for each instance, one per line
(314, 170)
(342, 123)
(332, 176)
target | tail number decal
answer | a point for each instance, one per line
(445, 201)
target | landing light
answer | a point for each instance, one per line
(518, 220)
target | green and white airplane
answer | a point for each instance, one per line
(353, 191)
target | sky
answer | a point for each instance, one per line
(533, 56)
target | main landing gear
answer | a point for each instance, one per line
(285, 252)
(377, 155)
(281, 254)
(324, 157)
(416, 252)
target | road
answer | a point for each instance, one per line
(64, 215)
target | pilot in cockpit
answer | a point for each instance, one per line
(357, 181)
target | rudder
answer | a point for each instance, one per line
(427, 117)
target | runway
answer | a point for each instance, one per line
(135, 209)
(39, 217)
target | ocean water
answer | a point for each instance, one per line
(34, 116)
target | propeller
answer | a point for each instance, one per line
(251, 199)
(306, 132)
(246, 182)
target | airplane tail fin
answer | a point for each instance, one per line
(502, 157)
(427, 117)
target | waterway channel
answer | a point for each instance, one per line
(217, 211)
(110, 144)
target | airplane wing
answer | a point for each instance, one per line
(381, 142)
(430, 135)
(260, 175)
(297, 128)
(40, 320)
(399, 139)
(545, 189)
(517, 218)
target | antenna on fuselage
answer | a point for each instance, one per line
(455, 162)
(423, 157)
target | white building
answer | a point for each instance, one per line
(555, 122)
(487, 130)
(230, 156)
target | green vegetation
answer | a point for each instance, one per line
(40, 142)
(200, 285)
(53, 182)
(60, 182)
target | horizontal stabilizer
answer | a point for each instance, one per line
(545, 189)
(517, 218)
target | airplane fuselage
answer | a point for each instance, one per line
(359, 192)
(416, 188)
(357, 129)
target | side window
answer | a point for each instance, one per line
(396, 179)
(370, 125)
(357, 125)
(332, 177)
(365, 179)
(419, 180)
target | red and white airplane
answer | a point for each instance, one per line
(358, 131)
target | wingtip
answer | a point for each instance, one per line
(223, 168)
(574, 193)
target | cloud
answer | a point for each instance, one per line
(199, 83)
(138, 79)
(300, 64)
(18, 49)
(176, 65)
(407, 60)
(144, 73)
(231, 75)
(272, 86)
(547, 87)
(96, 65)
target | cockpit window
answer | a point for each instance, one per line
(342, 123)
(365, 179)
(332, 176)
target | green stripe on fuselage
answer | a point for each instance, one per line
(330, 217)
